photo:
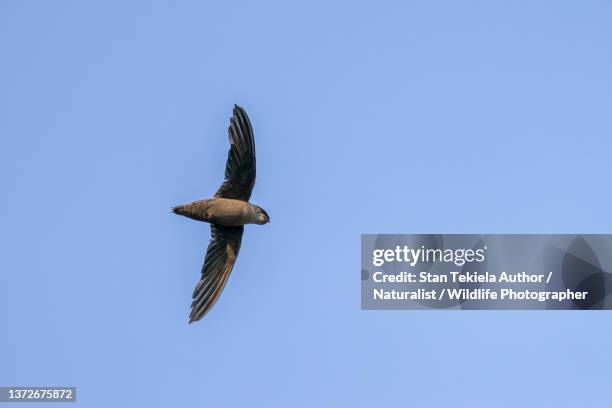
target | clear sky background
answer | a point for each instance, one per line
(396, 117)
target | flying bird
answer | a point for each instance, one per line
(227, 212)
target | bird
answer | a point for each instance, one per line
(227, 213)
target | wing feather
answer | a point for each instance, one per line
(240, 168)
(218, 264)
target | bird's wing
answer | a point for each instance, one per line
(219, 262)
(240, 167)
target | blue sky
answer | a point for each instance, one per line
(369, 117)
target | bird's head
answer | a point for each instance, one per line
(262, 216)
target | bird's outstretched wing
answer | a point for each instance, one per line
(240, 167)
(218, 264)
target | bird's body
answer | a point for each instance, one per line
(222, 211)
(227, 212)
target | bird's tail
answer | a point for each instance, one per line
(195, 211)
(179, 209)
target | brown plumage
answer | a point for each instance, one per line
(227, 212)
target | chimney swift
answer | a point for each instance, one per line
(227, 212)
